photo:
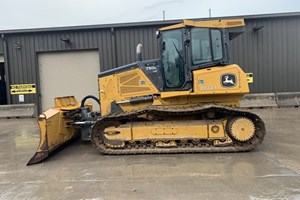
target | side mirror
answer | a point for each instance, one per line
(187, 42)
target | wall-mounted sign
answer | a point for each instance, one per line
(23, 89)
(21, 98)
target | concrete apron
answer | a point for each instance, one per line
(17, 110)
(268, 100)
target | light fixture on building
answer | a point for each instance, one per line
(66, 40)
(17, 46)
(257, 28)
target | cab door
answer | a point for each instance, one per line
(173, 59)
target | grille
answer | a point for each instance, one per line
(127, 77)
(133, 82)
(126, 90)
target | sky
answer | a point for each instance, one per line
(20, 14)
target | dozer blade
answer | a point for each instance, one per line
(56, 127)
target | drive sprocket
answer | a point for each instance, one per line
(241, 129)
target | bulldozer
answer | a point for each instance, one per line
(185, 102)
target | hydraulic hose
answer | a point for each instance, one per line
(89, 97)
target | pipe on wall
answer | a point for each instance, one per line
(6, 68)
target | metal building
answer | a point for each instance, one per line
(66, 61)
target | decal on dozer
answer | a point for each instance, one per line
(228, 80)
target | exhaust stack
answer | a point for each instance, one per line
(139, 52)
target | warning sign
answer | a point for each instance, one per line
(23, 89)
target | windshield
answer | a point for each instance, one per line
(172, 57)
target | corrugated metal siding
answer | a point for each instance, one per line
(23, 61)
(1, 46)
(116, 48)
(127, 40)
(272, 54)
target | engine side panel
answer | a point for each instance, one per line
(220, 80)
(220, 85)
(124, 86)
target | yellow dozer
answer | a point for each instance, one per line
(185, 102)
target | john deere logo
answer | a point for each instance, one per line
(228, 80)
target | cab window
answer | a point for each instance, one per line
(206, 45)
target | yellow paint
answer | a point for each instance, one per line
(242, 129)
(219, 142)
(221, 85)
(224, 23)
(124, 129)
(216, 130)
(22, 89)
(54, 130)
(249, 77)
(67, 103)
(207, 88)
(174, 94)
(181, 129)
(209, 81)
(123, 86)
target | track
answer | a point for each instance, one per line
(106, 146)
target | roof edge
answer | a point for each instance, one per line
(140, 24)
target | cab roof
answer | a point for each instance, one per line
(222, 23)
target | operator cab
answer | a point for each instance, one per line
(194, 45)
(185, 47)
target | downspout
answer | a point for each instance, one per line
(114, 47)
(6, 68)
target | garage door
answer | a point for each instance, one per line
(68, 73)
